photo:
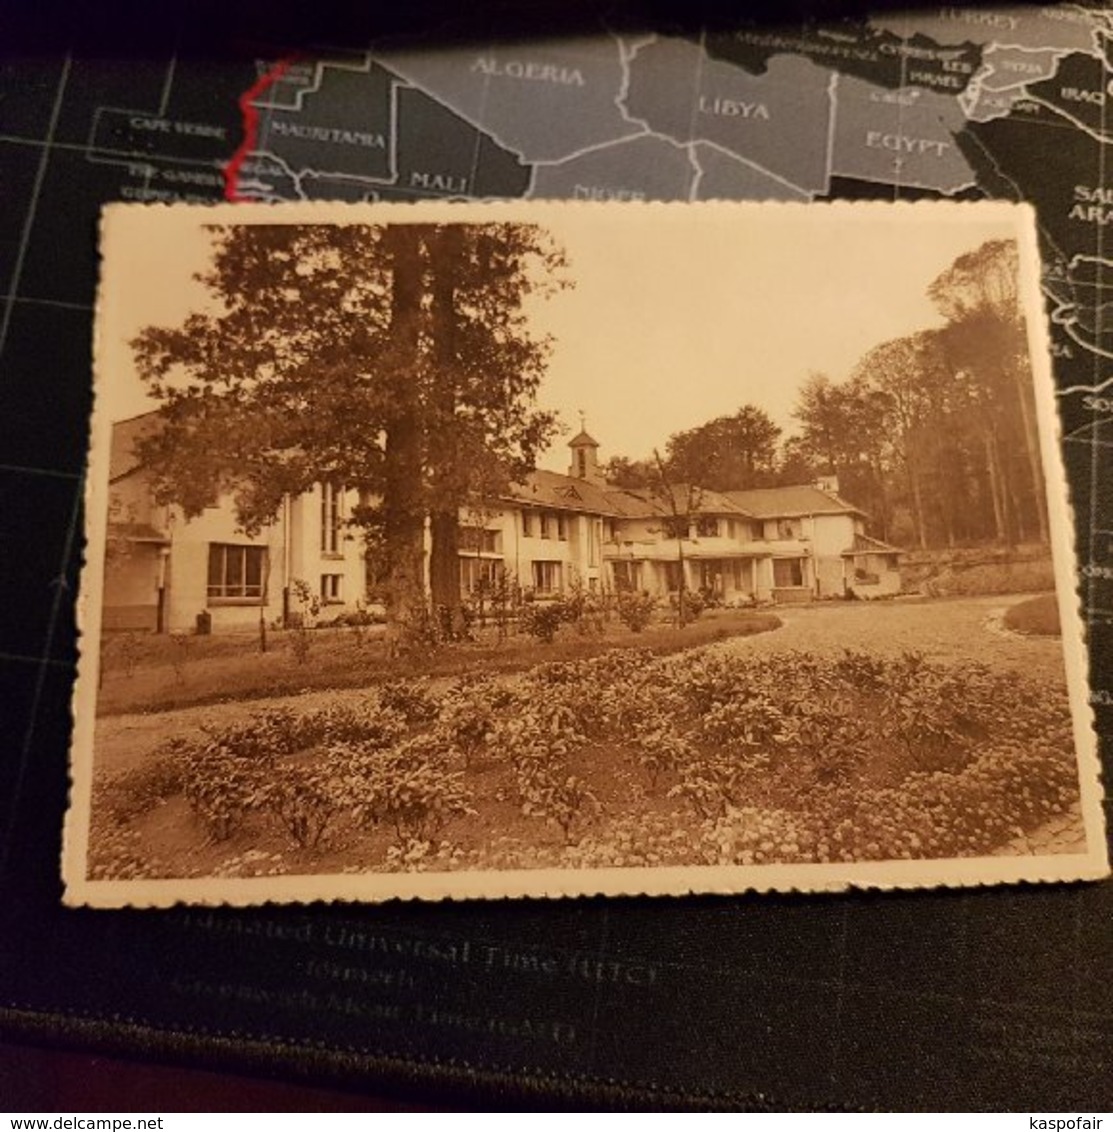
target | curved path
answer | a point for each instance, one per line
(945, 629)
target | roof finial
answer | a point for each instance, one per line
(583, 420)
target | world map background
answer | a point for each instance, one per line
(933, 998)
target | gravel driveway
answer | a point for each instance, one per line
(946, 629)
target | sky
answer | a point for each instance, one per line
(677, 314)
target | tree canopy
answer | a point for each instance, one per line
(394, 360)
(728, 453)
(933, 434)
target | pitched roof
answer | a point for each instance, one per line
(697, 500)
(122, 459)
(803, 499)
(583, 438)
(866, 544)
(568, 493)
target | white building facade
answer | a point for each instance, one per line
(169, 573)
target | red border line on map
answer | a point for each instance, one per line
(251, 124)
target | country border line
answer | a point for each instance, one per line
(251, 124)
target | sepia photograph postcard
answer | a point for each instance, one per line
(451, 550)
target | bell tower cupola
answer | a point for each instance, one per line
(585, 456)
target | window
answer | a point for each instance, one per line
(546, 577)
(479, 574)
(236, 573)
(581, 464)
(707, 527)
(546, 525)
(562, 527)
(674, 527)
(528, 525)
(330, 518)
(672, 576)
(479, 540)
(788, 528)
(612, 530)
(788, 572)
(594, 536)
(331, 592)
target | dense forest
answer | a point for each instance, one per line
(933, 434)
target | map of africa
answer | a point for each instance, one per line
(947, 103)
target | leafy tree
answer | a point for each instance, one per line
(986, 337)
(681, 502)
(728, 453)
(795, 464)
(485, 368)
(621, 471)
(394, 360)
(936, 430)
(894, 374)
(844, 434)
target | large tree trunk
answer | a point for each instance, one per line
(917, 504)
(444, 568)
(444, 562)
(995, 488)
(403, 507)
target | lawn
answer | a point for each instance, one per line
(623, 758)
(148, 672)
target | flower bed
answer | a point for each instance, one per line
(625, 759)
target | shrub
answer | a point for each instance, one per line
(559, 799)
(305, 799)
(409, 699)
(408, 788)
(222, 788)
(130, 793)
(635, 610)
(543, 619)
(225, 774)
(466, 717)
(1039, 616)
(661, 751)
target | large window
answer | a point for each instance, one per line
(236, 573)
(330, 518)
(788, 572)
(788, 528)
(707, 526)
(675, 527)
(479, 574)
(546, 577)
